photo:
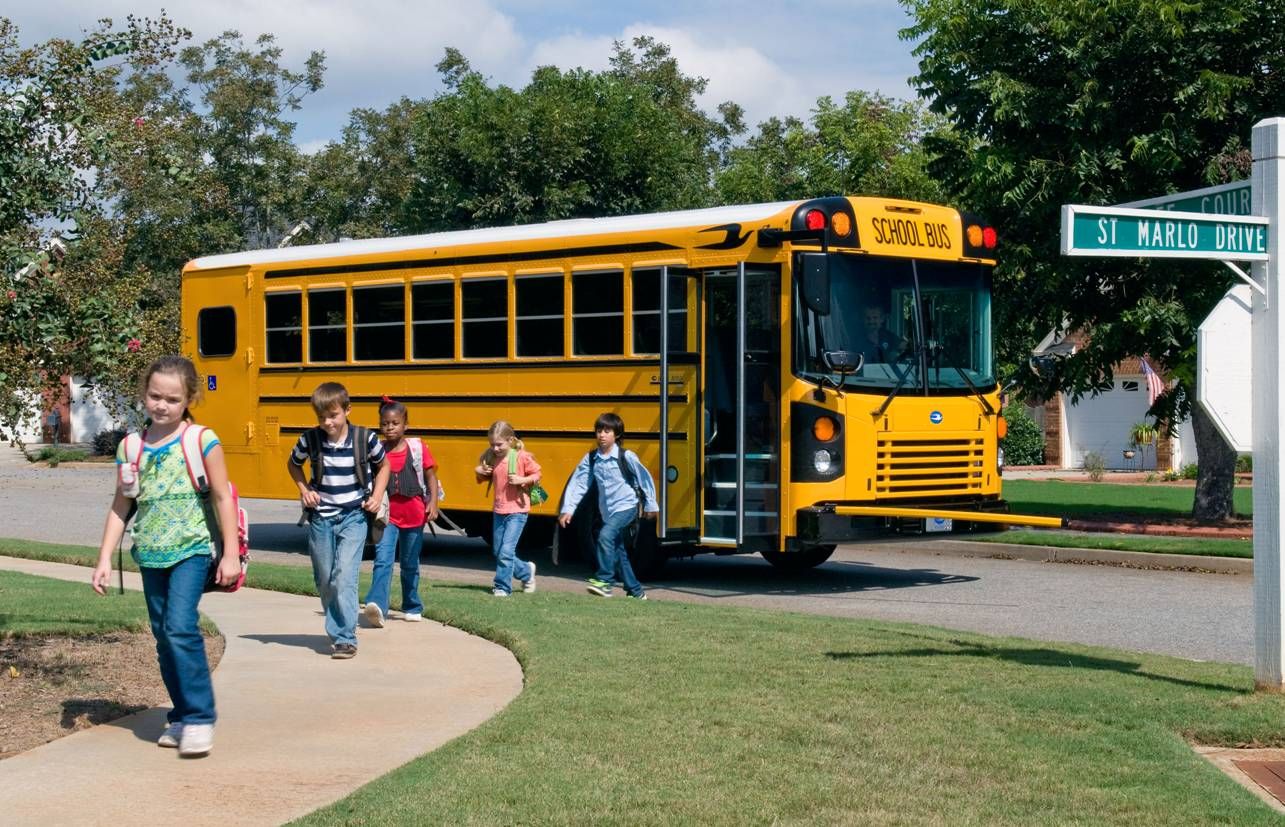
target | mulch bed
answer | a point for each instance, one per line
(51, 686)
(1237, 529)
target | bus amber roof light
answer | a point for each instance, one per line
(824, 428)
(814, 220)
(841, 224)
(989, 238)
(974, 235)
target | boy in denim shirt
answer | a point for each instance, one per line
(337, 505)
(621, 479)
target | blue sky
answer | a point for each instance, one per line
(772, 58)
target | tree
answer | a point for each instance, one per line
(869, 145)
(1099, 102)
(570, 144)
(63, 307)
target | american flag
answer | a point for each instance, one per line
(1155, 385)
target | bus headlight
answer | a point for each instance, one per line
(999, 459)
(821, 461)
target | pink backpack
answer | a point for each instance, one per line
(194, 460)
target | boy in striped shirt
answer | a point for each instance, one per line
(337, 505)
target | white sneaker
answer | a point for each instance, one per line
(412, 617)
(374, 617)
(197, 740)
(170, 737)
(499, 593)
(528, 585)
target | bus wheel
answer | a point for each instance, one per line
(647, 557)
(808, 558)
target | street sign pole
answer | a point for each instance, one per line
(1269, 428)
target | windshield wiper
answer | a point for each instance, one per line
(901, 382)
(938, 349)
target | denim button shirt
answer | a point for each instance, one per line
(614, 493)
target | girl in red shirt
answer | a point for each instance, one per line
(512, 504)
(412, 502)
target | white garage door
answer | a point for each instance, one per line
(1102, 423)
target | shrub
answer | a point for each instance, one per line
(104, 442)
(1244, 463)
(1024, 444)
(1095, 465)
(54, 454)
(1189, 471)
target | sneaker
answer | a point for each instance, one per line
(499, 593)
(412, 617)
(528, 585)
(197, 740)
(639, 596)
(170, 737)
(374, 616)
(599, 587)
(343, 651)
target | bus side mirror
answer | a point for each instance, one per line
(814, 281)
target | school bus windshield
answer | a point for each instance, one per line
(921, 325)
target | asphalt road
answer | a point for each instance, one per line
(1198, 616)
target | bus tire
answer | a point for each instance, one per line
(647, 556)
(807, 558)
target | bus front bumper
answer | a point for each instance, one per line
(836, 523)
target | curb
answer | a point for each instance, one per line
(1100, 557)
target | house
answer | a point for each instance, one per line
(81, 417)
(1101, 424)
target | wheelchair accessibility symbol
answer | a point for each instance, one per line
(934, 417)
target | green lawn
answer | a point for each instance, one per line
(1089, 500)
(39, 605)
(1196, 546)
(664, 712)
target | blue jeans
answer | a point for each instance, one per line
(405, 543)
(335, 544)
(172, 596)
(505, 530)
(613, 559)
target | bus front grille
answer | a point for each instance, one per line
(909, 465)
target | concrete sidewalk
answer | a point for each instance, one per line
(296, 729)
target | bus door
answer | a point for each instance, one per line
(677, 484)
(742, 368)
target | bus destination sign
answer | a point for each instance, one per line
(1153, 233)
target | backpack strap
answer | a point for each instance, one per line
(361, 455)
(312, 439)
(193, 459)
(513, 463)
(415, 447)
(133, 454)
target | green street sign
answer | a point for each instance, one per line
(1224, 199)
(1147, 233)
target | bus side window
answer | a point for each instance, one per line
(328, 325)
(433, 320)
(485, 304)
(379, 322)
(538, 315)
(646, 312)
(283, 314)
(598, 314)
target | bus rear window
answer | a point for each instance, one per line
(216, 331)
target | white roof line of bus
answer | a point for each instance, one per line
(524, 232)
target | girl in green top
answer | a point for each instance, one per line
(172, 546)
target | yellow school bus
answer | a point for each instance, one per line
(794, 374)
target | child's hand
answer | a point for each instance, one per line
(564, 520)
(651, 515)
(483, 470)
(371, 504)
(102, 575)
(309, 498)
(430, 513)
(229, 570)
(519, 480)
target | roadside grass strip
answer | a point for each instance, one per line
(1103, 500)
(668, 713)
(31, 605)
(1198, 547)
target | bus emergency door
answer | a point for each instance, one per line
(677, 485)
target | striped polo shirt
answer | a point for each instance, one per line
(339, 488)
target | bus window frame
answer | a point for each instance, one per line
(507, 318)
(200, 338)
(601, 270)
(347, 325)
(453, 321)
(532, 276)
(353, 324)
(303, 324)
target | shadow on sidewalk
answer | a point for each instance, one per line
(317, 643)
